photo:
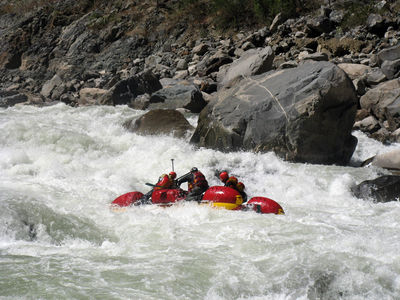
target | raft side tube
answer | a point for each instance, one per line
(264, 205)
(127, 199)
(167, 196)
(223, 197)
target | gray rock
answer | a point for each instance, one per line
(382, 135)
(382, 189)
(181, 64)
(304, 114)
(391, 68)
(160, 121)
(153, 60)
(369, 124)
(336, 16)
(89, 96)
(384, 102)
(252, 62)
(181, 95)
(140, 102)
(50, 85)
(376, 24)
(247, 46)
(375, 77)
(318, 56)
(288, 65)
(124, 91)
(276, 22)
(10, 98)
(200, 49)
(318, 25)
(392, 53)
(389, 160)
(355, 71)
(396, 136)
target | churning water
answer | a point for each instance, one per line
(60, 168)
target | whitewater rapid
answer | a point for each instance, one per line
(60, 167)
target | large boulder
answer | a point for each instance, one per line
(383, 101)
(304, 114)
(160, 121)
(382, 189)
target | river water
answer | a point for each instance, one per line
(60, 167)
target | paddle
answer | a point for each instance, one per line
(153, 185)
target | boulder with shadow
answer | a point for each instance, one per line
(160, 122)
(303, 114)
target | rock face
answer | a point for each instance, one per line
(10, 98)
(304, 114)
(382, 189)
(125, 91)
(384, 102)
(160, 121)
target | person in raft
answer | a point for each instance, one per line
(165, 181)
(197, 184)
(232, 182)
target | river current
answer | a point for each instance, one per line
(60, 167)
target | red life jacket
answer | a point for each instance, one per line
(233, 183)
(163, 183)
(198, 180)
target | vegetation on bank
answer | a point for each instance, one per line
(222, 14)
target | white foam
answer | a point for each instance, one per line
(71, 163)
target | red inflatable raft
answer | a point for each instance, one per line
(216, 196)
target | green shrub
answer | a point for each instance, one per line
(251, 12)
(356, 14)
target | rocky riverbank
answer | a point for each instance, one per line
(134, 54)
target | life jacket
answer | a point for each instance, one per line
(164, 182)
(240, 187)
(199, 180)
(231, 182)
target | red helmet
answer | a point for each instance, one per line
(172, 174)
(224, 176)
(240, 186)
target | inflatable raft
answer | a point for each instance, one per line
(215, 196)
